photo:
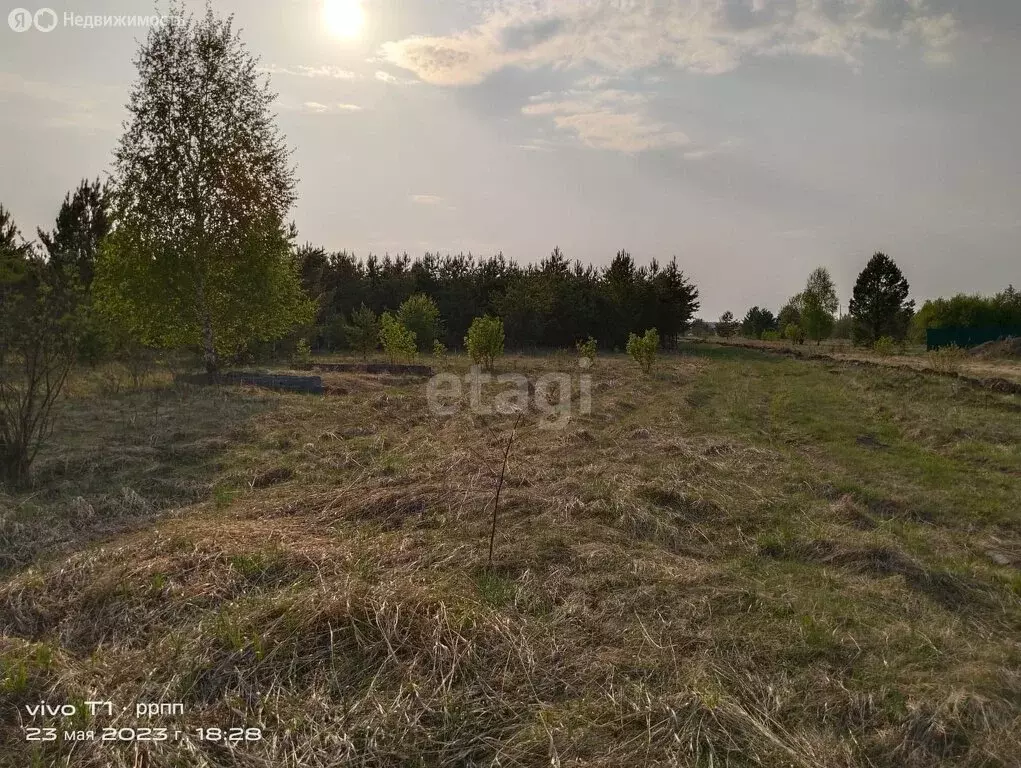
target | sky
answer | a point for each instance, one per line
(752, 139)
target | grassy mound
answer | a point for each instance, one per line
(1004, 349)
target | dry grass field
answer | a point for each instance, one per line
(741, 560)
(976, 366)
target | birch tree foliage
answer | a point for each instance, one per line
(200, 252)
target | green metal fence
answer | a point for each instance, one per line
(967, 337)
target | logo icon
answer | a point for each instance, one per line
(45, 19)
(20, 20)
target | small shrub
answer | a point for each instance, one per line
(884, 346)
(794, 334)
(947, 359)
(302, 357)
(439, 350)
(398, 342)
(484, 341)
(363, 332)
(771, 336)
(420, 315)
(587, 349)
(643, 349)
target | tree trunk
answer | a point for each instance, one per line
(209, 346)
(209, 355)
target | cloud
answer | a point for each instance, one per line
(705, 36)
(702, 153)
(594, 81)
(606, 119)
(386, 77)
(935, 33)
(323, 109)
(624, 132)
(325, 71)
(427, 199)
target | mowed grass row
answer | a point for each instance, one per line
(740, 560)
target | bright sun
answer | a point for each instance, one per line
(344, 18)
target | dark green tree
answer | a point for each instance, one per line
(82, 223)
(38, 337)
(525, 308)
(14, 253)
(72, 248)
(364, 330)
(15, 263)
(726, 326)
(622, 300)
(756, 322)
(880, 305)
(674, 302)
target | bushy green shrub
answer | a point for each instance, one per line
(794, 334)
(968, 311)
(363, 332)
(302, 356)
(439, 350)
(771, 336)
(884, 346)
(643, 349)
(420, 315)
(398, 342)
(588, 348)
(947, 359)
(816, 320)
(484, 341)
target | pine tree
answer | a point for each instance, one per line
(726, 326)
(82, 223)
(756, 322)
(880, 305)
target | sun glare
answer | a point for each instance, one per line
(344, 18)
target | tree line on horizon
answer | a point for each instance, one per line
(553, 304)
(879, 311)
